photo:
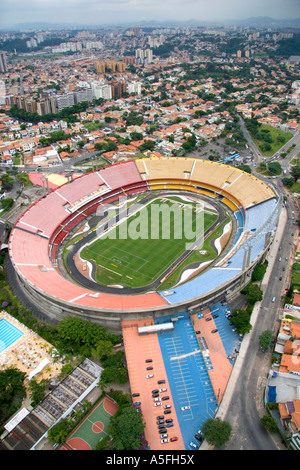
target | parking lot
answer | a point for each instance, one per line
(194, 380)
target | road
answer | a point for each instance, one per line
(246, 406)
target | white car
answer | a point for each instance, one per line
(164, 441)
(158, 403)
(193, 445)
(149, 376)
(185, 408)
(157, 399)
(163, 436)
(162, 389)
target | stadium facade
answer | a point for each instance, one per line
(35, 240)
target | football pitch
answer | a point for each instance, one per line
(142, 246)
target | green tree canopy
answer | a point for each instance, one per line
(12, 392)
(216, 432)
(266, 339)
(59, 432)
(80, 336)
(126, 428)
(241, 320)
(253, 293)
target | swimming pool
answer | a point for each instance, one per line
(8, 334)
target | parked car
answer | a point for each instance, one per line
(157, 403)
(149, 376)
(164, 441)
(175, 438)
(185, 408)
(162, 389)
(193, 445)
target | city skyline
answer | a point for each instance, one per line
(120, 11)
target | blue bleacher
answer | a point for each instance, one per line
(215, 277)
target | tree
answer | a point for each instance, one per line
(245, 168)
(80, 336)
(241, 320)
(12, 392)
(269, 423)
(259, 272)
(59, 432)
(103, 348)
(253, 293)
(216, 432)
(126, 428)
(295, 172)
(266, 339)
(37, 391)
(7, 203)
(274, 168)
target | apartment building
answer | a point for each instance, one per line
(101, 90)
(3, 64)
(111, 65)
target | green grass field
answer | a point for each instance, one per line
(138, 262)
(277, 139)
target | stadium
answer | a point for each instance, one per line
(38, 240)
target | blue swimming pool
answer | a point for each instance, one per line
(8, 334)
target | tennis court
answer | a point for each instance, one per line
(93, 428)
(8, 334)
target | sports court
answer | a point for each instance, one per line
(93, 428)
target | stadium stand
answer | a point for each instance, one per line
(38, 233)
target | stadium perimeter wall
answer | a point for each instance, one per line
(55, 308)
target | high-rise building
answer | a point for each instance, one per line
(134, 87)
(143, 56)
(129, 60)
(100, 66)
(83, 95)
(117, 89)
(101, 90)
(3, 64)
(65, 101)
(43, 107)
(111, 65)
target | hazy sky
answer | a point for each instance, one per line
(116, 11)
